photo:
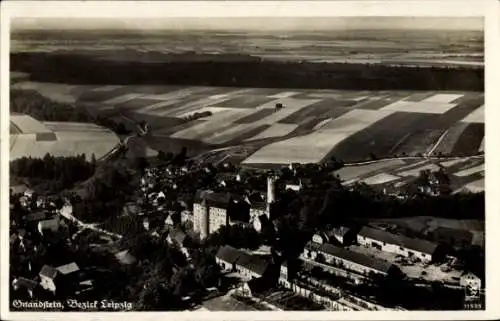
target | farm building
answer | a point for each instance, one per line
(398, 244)
(349, 260)
(340, 235)
(32, 138)
(246, 265)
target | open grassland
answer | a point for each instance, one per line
(313, 125)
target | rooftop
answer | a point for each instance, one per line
(48, 271)
(68, 268)
(26, 283)
(415, 244)
(252, 263)
(373, 263)
(209, 198)
(228, 253)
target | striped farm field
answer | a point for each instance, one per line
(312, 126)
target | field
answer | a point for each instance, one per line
(312, 126)
(465, 173)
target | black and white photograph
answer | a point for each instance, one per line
(331, 163)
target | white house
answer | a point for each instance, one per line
(471, 283)
(48, 276)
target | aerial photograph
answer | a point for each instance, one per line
(244, 164)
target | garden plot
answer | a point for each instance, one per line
(417, 143)
(443, 98)
(135, 104)
(107, 88)
(229, 133)
(416, 97)
(332, 107)
(428, 107)
(416, 171)
(481, 147)
(322, 123)
(469, 142)
(256, 116)
(378, 138)
(122, 99)
(477, 116)
(213, 110)
(247, 101)
(470, 171)
(216, 124)
(474, 187)
(276, 130)
(375, 104)
(57, 92)
(28, 125)
(312, 148)
(449, 139)
(381, 178)
(223, 135)
(195, 106)
(359, 171)
(452, 162)
(285, 94)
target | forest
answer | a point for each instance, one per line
(241, 71)
(52, 174)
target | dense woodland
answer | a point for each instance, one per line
(52, 174)
(241, 71)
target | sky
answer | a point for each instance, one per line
(252, 24)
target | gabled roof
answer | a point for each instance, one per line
(68, 268)
(48, 271)
(415, 244)
(209, 198)
(252, 263)
(228, 253)
(358, 258)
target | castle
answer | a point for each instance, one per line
(213, 210)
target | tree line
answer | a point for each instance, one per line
(31, 102)
(245, 71)
(53, 174)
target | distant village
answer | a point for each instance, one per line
(341, 266)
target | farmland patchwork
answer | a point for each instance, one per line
(279, 126)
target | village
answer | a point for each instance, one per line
(235, 217)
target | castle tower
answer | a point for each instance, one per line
(204, 220)
(271, 196)
(201, 218)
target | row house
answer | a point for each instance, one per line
(399, 244)
(349, 260)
